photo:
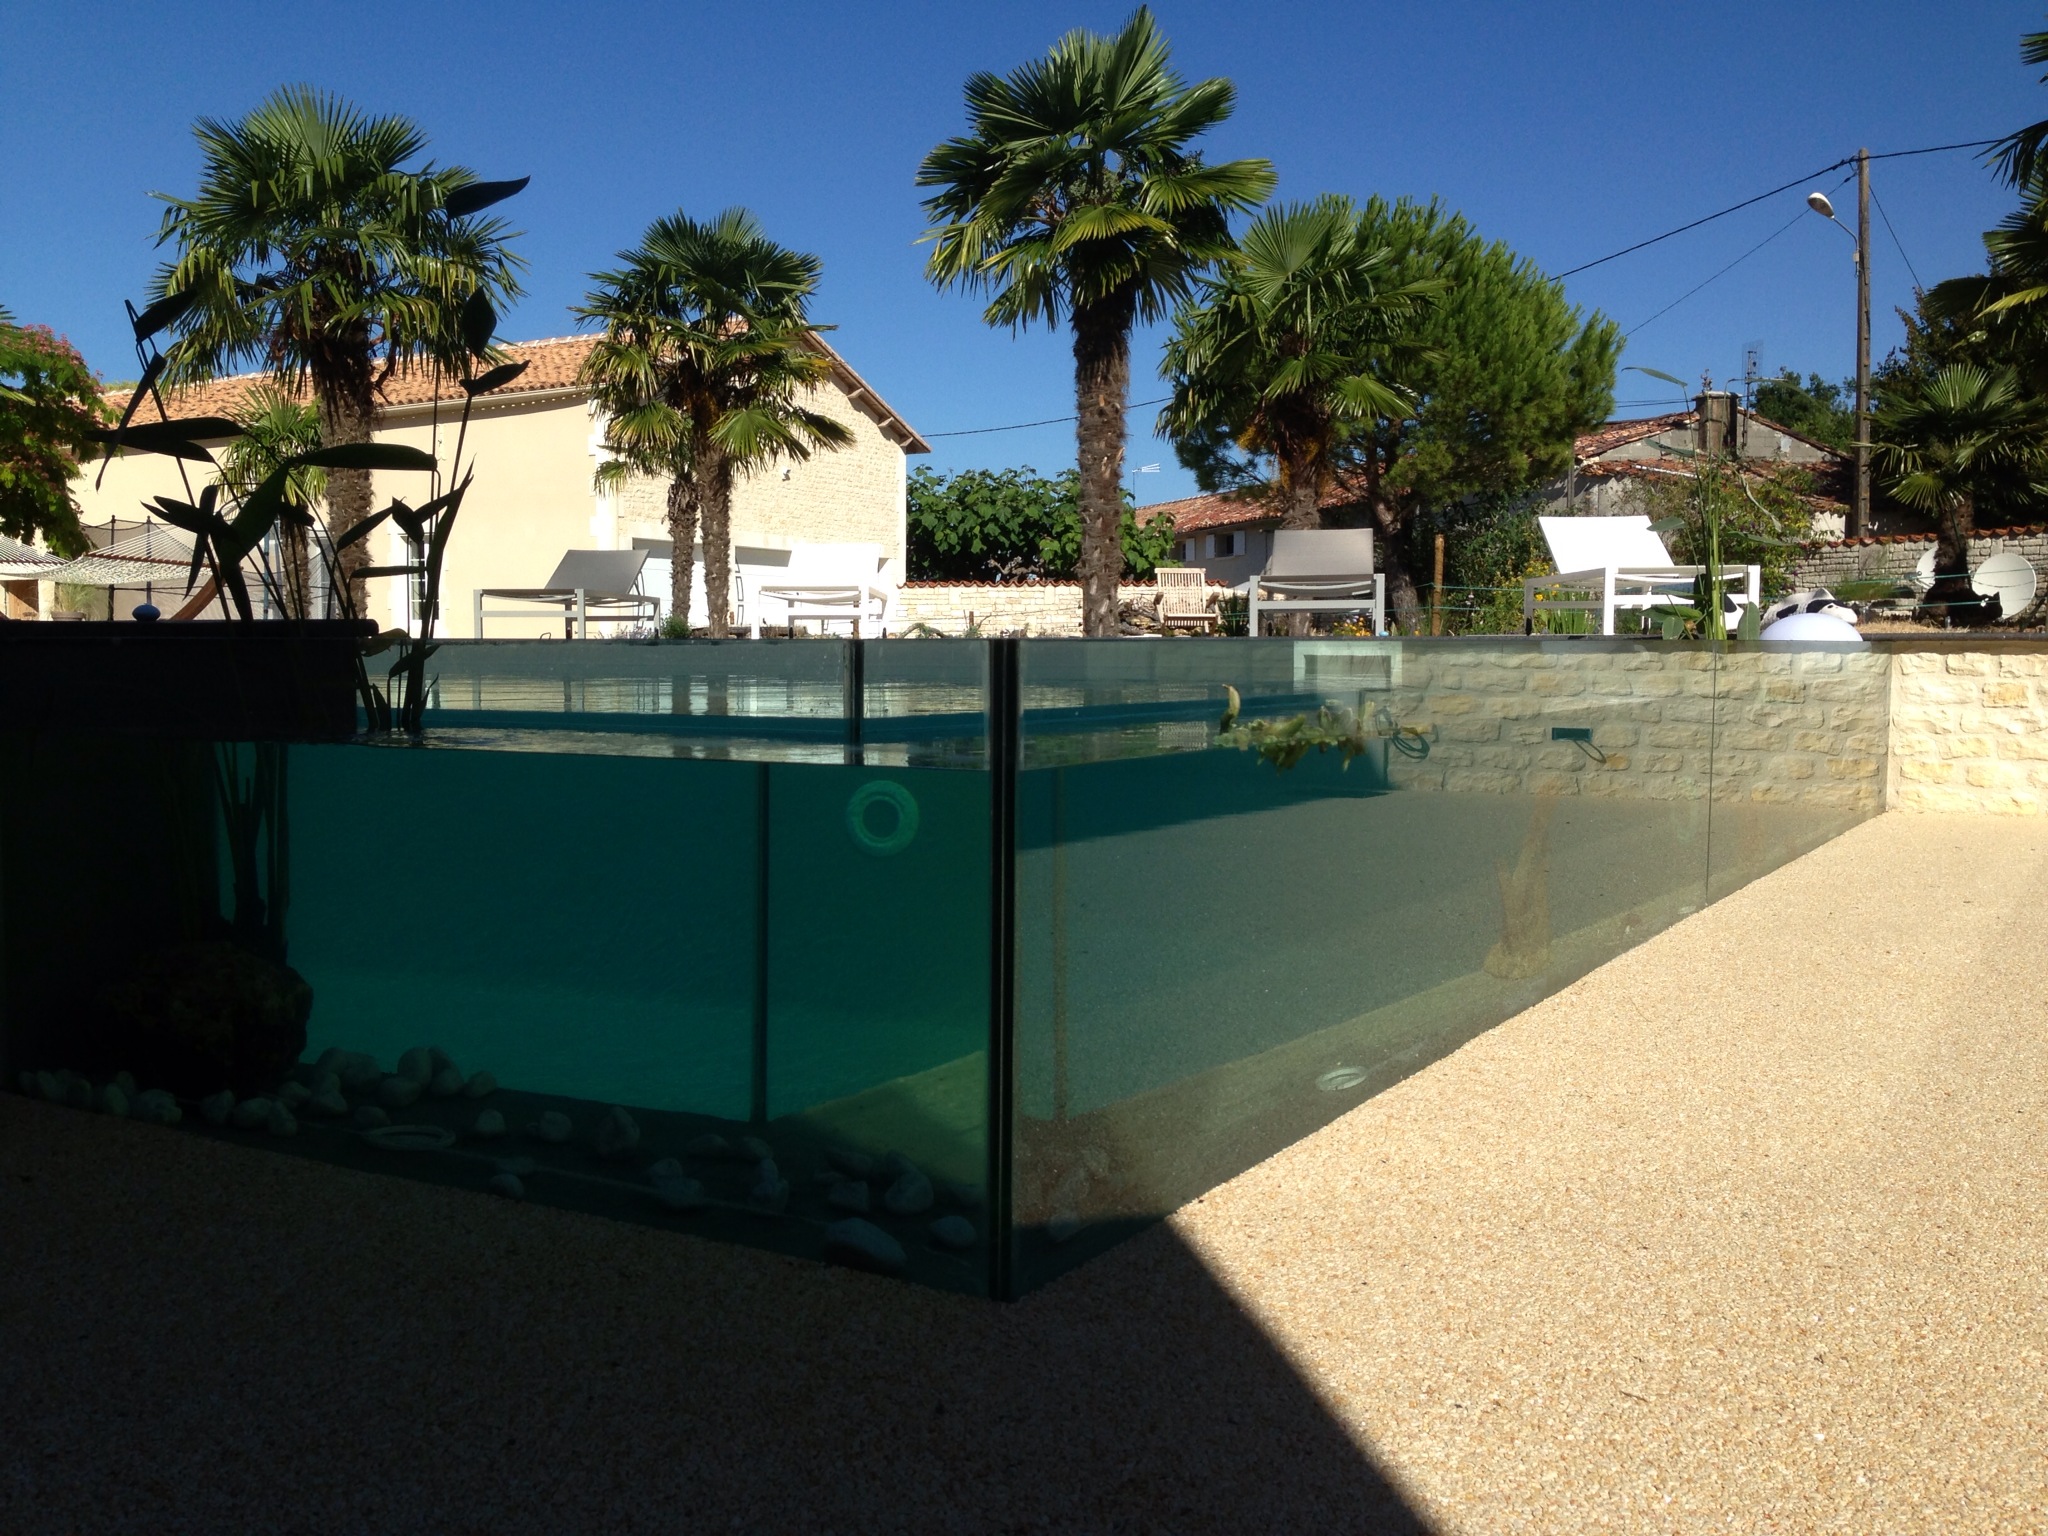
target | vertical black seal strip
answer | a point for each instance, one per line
(1004, 750)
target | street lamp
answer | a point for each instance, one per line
(1859, 502)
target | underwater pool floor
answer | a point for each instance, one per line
(1743, 1230)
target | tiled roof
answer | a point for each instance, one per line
(1619, 434)
(1233, 509)
(1616, 434)
(553, 363)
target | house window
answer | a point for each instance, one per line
(1225, 545)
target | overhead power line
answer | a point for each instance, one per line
(1918, 286)
(1747, 202)
(1738, 261)
(1050, 421)
(1627, 250)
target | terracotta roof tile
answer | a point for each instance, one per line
(553, 363)
(1234, 509)
(1615, 434)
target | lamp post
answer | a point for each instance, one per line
(1859, 501)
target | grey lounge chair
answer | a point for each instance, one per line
(590, 586)
(1319, 570)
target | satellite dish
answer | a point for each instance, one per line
(1811, 629)
(1923, 573)
(2012, 577)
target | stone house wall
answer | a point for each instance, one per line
(852, 495)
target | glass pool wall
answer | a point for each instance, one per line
(1215, 955)
(959, 959)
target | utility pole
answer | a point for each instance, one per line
(1859, 506)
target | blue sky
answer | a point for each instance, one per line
(1566, 130)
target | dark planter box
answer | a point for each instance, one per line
(210, 681)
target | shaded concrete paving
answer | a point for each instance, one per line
(1743, 1231)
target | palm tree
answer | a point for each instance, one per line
(1075, 196)
(277, 427)
(314, 251)
(1945, 442)
(1275, 356)
(706, 357)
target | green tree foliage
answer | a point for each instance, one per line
(1272, 362)
(707, 355)
(1946, 443)
(1013, 525)
(1505, 373)
(49, 405)
(317, 251)
(1076, 196)
(1817, 409)
(2023, 155)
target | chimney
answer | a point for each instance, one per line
(1717, 419)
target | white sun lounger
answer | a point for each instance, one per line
(1621, 565)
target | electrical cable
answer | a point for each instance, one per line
(1896, 154)
(1738, 261)
(1918, 286)
(1050, 421)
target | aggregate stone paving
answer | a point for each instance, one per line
(1744, 1231)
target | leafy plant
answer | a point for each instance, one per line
(1349, 732)
(50, 403)
(1076, 195)
(1504, 372)
(228, 526)
(1014, 525)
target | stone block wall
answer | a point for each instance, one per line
(1896, 555)
(1764, 728)
(1040, 608)
(1969, 732)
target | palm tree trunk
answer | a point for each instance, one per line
(1300, 507)
(1952, 600)
(1390, 522)
(348, 420)
(298, 573)
(1102, 381)
(682, 533)
(715, 484)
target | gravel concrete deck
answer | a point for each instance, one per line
(1743, 1232)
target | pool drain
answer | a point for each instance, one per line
(1337, 1079)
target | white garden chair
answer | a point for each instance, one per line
(1318, 570)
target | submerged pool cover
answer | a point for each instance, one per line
(955, 959)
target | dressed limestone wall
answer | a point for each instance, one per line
(1969, 732)
(1004, 608)
(1764, 727)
